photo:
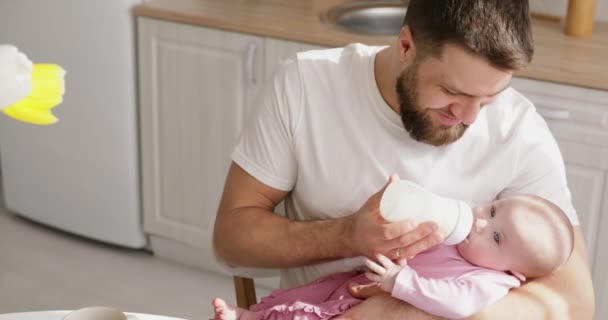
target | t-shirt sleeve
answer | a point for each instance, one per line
(265, 148)
(539, 167)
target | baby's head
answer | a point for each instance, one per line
(525, 235)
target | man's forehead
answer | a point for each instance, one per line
(470, 74)
(477, 89)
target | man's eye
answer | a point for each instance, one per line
(492, 211)
(496, 236)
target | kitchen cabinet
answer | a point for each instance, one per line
(578, 118)
(196, 87)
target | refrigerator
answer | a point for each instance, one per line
(80, 175)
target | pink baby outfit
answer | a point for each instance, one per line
(438, 281)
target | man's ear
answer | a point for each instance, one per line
(518, 275)
(406, 49)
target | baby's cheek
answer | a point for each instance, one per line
(473, 253)
(465, 250)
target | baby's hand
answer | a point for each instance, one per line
(385, 274)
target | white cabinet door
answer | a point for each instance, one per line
(196, 85)
(578, 118)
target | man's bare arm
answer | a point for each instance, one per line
(248, 233)
(383, 306)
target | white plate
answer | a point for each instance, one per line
(59, 314)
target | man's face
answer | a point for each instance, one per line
(440, 97)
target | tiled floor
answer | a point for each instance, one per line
(45, 269)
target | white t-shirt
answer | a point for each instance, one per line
(322, 130)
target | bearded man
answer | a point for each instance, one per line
(435, 108)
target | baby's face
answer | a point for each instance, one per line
(501, 236)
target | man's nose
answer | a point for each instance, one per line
(480, 224)
(466, 112)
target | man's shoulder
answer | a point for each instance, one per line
(320, 74)
(511, 113)
(335, 60)
(511, 101)
(354, 51)
(311, 65)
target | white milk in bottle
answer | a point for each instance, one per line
(404, 199)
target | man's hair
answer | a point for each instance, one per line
(497, 30)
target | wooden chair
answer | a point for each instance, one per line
(245, 291)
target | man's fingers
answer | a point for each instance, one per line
(408, 238)
(394, 177)
(374, 267)
(398, 229)
(421, 245)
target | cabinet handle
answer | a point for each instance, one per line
(553, 113)
(251, 63)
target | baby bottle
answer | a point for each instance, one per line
(404, 199)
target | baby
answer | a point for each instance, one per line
(512, 240)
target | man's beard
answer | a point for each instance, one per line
(417, 120)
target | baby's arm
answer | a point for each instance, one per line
(453, 298)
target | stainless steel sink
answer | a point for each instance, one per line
(368, 17)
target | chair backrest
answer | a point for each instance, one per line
(244, 289)
(244, 286)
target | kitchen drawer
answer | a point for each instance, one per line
(574, 114)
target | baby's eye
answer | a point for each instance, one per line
(492, 211)
(496, 236)
(447, 91)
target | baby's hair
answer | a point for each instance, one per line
(561, 222)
